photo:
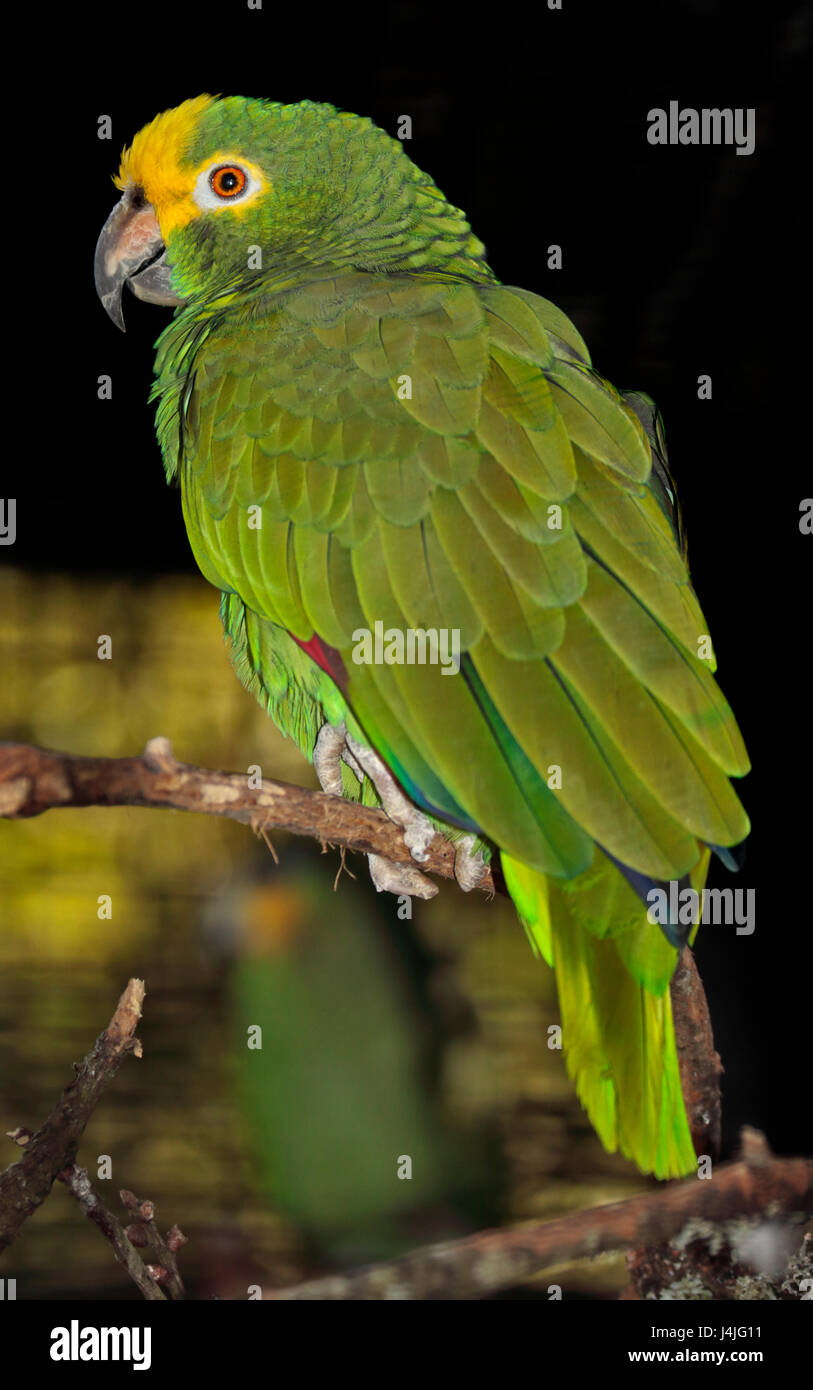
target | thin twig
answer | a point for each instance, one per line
(146, 1226)
(25, 1184)
(78, 1183)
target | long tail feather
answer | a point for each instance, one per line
(613, 968)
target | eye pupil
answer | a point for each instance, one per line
(227, 181)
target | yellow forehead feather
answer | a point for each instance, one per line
(154, 162)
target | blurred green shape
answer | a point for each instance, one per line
(340, 1099)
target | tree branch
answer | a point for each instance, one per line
(33, 780)
(25, 1184)
(700, 1065)
(78, 1183)
(493, 1260)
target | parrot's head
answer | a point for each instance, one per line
(219, 192)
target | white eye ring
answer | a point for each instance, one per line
(206, 197)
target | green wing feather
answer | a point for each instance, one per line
(428, 452)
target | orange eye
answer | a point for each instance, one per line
(228, 181)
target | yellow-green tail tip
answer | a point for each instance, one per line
(612, 973)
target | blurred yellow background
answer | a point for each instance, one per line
(200, 912)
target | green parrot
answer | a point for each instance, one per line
(377, 439)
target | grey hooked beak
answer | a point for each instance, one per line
(130, 251)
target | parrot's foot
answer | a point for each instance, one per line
(468, 868)
(419, 831)
(329, 751)
(333, 744)
(400, 879)
(327, 758)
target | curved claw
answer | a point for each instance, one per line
(468, 868)
(400, 879)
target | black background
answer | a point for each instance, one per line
(677, 261)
